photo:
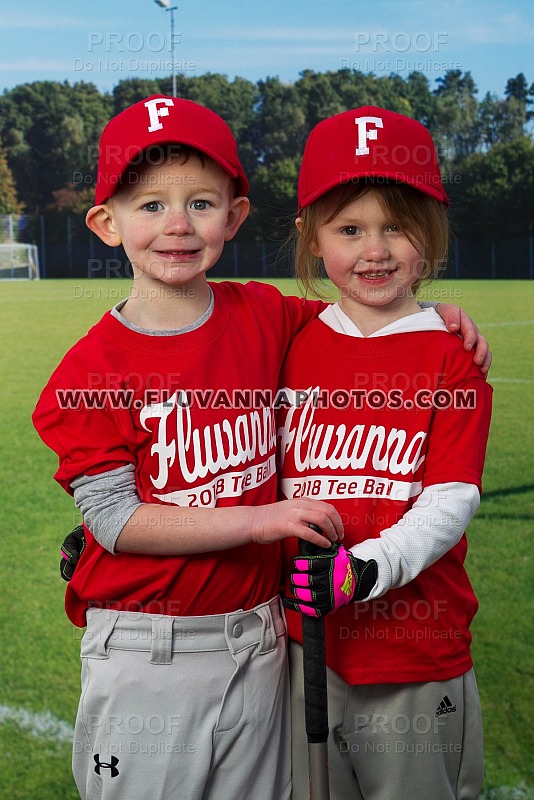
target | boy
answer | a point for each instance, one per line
(189, 697)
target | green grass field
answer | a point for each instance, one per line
(39, 668)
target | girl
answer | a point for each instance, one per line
(388, 420)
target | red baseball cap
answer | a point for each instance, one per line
(163, 120)
(369, 142)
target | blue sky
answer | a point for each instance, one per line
(104, 41)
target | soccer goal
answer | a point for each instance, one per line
(19, 261)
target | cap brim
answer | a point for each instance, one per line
(318, 191)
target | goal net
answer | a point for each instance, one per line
(18, 261)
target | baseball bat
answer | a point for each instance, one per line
(315, 694)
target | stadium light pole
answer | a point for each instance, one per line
(166, 4)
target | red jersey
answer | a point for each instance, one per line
(379, 419)
(193, 413)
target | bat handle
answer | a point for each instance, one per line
(307, 548)
(314, 652)
(315, 692)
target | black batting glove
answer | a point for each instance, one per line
(71, 550)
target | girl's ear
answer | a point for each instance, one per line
(99, 219)
(314, 247)
(237, 214)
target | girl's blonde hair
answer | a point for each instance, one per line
(421, 218)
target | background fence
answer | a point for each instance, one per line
(67, 249)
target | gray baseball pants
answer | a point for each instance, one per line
(184, 708)
(412, 741)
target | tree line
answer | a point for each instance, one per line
(49, 133)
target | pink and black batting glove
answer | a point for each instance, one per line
(329, 579)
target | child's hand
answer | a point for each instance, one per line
(457, 321)
(71, 550)
(325, 581)
(289, 518)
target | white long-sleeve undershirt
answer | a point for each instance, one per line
(434, 524)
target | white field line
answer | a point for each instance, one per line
(491, 379)
(519, 792)
(42, 726)
(47, 726)
(510, 324)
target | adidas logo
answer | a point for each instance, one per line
(348, 584)
(445, 707)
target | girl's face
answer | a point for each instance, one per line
(369, 259)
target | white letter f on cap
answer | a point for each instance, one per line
(155, 113)
(364, 134)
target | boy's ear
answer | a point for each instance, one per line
(314, 247)
(99, 219)
(237, 214)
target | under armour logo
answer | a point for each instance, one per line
(154, 112)
(102, 765)
(364, 135)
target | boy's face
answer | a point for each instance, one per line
(369, 259)
(172, 219)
